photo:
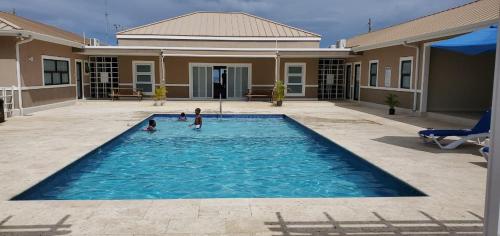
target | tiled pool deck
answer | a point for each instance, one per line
(33, 147)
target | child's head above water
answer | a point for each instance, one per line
(197, 111)
(152, 123)
(183, 114)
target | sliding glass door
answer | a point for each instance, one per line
(237, 81)
(201, 77)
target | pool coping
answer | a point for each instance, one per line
(212, 115)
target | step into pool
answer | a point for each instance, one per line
(234, 156)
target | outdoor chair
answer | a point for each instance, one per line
(480, 131)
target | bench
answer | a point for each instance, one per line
(259, 94)
(117, 93)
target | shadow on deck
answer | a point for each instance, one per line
(59, 228)
(381, 226)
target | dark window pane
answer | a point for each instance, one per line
(47, 78)
(62, 66)
(143, 68)
(406, 67)
(56, 78)
(294, 79)
(64, 78)
(49, 65)
(294, 88)
(295, 70)
(405, 81)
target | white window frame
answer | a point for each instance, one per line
(401, 59)
(354, 79)
(152, 74)
(59, 59)
(303, 79)
(369, 72)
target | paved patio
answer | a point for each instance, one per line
(33, 147)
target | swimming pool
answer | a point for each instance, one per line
(236, 156)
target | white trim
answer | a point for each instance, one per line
(215, 38)
(391, 89)
(428, 36)
(47, 87)
(58, 59)
(303, 79)
(223, 49)
(211, 55)
(354, 80)
(29, 110)
(262, 85)
(177, 85)
(152, 74)
(18, 73)
(401, 59)
(369, 73)
(10, 23)
(82, 68)
(43, 37)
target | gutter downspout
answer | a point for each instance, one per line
(162, 68)
(18, 72)
(415, 82)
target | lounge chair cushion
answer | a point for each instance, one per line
(445, 132)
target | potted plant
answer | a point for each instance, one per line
(392, 101)
(279, 92)
(160, 95)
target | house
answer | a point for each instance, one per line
(207, 55)
(38, 65)
(399, 60)
(212, 55)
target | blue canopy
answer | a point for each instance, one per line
(477, 42)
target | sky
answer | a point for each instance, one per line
(332, 19)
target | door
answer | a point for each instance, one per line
(201, 81)
(79, 80)
(219, 80)
(357, 74)
(237, 81)
(348, 81)
(144, 76)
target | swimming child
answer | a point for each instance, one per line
(198, 121)
(152, 126)
(182, 117)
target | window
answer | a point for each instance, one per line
(55, 71)
(295, 79)
(373, 73)
(144, 76)
(387, 78)
(405, 71)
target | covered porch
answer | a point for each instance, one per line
(211, 73)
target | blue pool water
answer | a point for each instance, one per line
(252, 156)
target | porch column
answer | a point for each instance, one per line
(426, 56)
(492, 205)
(277, 67)
(162, 69)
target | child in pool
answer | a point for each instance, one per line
(152, 126)
(198, 121)
(182, 117)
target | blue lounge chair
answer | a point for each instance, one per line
(485, 151)
(480, 131)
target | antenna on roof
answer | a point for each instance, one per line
(106, 16)
(369, 25)
(13, 11)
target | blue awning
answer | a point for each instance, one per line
(477, 42)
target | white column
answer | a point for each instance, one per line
(424, 76)
(492, 205)
(277, 67)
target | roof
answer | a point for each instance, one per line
(219, 24)
(10, 21)
(456, 20)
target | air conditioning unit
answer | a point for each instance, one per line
(94, 42)
(341, 43)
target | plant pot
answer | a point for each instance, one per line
(392, 111)
(279, 103)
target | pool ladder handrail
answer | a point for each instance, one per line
(220, 105)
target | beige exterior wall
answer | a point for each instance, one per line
(217, 44)
(177, 72)
(32, 73)
(387, 57)
(460, 83)
(8, 62)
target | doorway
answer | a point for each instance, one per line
(79, 79)
(357, 75)
(219, 80)
(348, 88)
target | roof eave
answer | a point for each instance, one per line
(212, 38)
(42, 37)
(425, 37)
